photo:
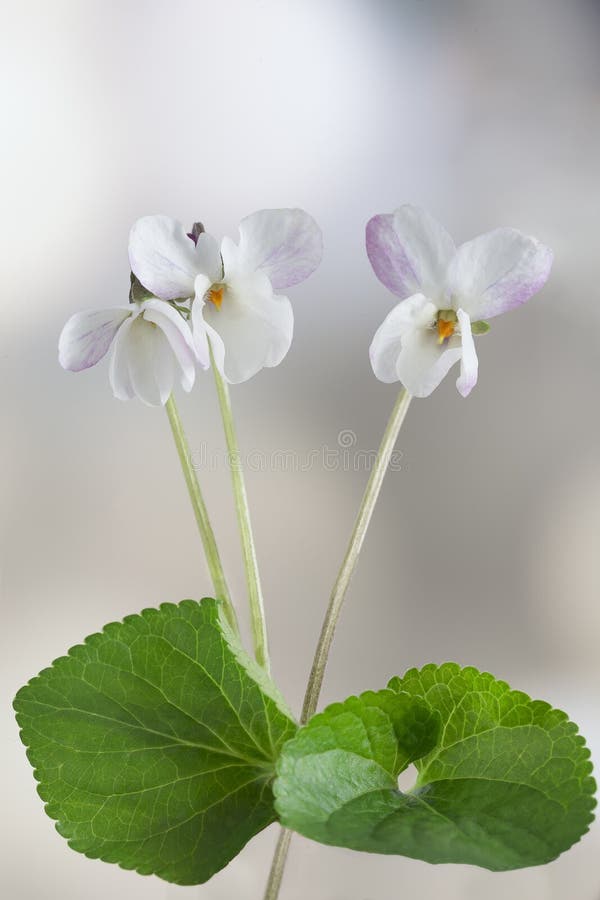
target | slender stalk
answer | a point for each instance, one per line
(257, 611)
(336, 600)
(204, 527)
(338, 594)
(278, 864)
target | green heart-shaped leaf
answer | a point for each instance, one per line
(503, 781)
(154, 742)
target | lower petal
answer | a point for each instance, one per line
(118, 373)
(414, 312)
(178, 335)
(206, 339)
(151, 363)
(423, 363)
(469, 364)
(254, 325)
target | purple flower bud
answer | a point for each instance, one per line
(197, 230)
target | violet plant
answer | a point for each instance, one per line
(159, 743)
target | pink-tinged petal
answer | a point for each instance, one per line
(163, 257)
(118, 373)
(178, 335)
(286, 244)
(497, 272)
(255, 325)
(412, 313)
(469, 364)
(410, 252)
(86, 337)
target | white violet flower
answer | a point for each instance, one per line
(446, 293)
(233, 287)
(158, 339)
(152, 346)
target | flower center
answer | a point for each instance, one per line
(215, 294)
(446, 324)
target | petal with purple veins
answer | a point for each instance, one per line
(163, 257)
(497, 272)
(86, 337)
(286, 244)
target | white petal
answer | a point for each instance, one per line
(255, 325)
(286, 244)
(423, 362)
(86, 337)
(163, 257)
(410, 252)
(179, 336)
(202, 333)
(118, 372)
(497, 272)
(208, 257)
(218, 349)
(151, 362)
(469, 364)
(199, 333)
(414, 312)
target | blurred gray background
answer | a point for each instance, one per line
(484, 547)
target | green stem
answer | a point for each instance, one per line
(336, 601)
(257, 611)
(206, 533)
(338, 594)
(278, 864)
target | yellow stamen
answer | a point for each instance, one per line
(215, 295)
(445, 330)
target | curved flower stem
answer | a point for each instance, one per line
(257, 611)
(336, 600)
(338, 594)
(206, 533)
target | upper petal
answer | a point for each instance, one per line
(409, 251)
(414, 312)
(255, 325)
(498, 271)
(469, 364)
(286, 244)
(163, 257)
(86, 337)
(208, 257)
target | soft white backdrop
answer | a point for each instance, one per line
(484, 548)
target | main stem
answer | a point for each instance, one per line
(206, 533)
(336, 600)
(257, 611)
